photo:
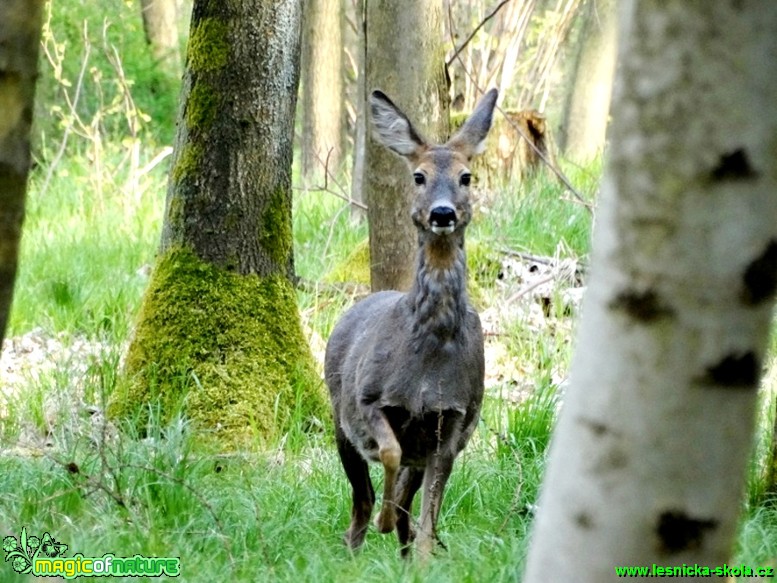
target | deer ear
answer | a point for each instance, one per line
(470, 140)
(392, 128)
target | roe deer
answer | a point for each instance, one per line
(405, 370)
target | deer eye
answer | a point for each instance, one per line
(465, 179)
(419, 178)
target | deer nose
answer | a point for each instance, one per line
(442, 219)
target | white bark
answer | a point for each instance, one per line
(648, 460)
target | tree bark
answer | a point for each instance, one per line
(20, 29)
(588, 102)
(323, 89)
(406, 60)
(360, 130)
(160, 23)
(649, 457)
(219, 333)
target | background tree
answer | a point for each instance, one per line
(20, 29)
(588, 100)
(160, 22)
(360, 109)
(405, 58)
(323, 88)
(219, 333)
(649, 456)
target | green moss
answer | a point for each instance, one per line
(276, 236)
(353, 269)
(457, 120)
(208, 45)
(187, 162)
(225, 349)
(201, 106)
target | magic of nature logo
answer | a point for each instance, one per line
(43, 556)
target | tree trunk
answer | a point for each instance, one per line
(360, 131)
(20, 28)
(406, 60)
(588, 102)
(160, 22)
(219, 319)
(323, 89)
(649, 457)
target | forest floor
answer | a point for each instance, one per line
(524, 292)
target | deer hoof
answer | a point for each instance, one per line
(354, 537)
(385, 521)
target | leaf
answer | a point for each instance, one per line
(23, 541)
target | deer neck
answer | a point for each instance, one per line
(438, 297)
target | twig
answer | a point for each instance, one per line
(77, 96)
(473, 33)
(559, 174)
(329, 176)
(527, 256)
(528, 288)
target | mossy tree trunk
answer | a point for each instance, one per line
(405, 59)
(20, 28)
(649, 457)
(219, 334)
(323, 89)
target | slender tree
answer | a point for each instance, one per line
(323, 88)
(360, 123)
(588, 101)
(648, 460)
(160, 22)
(404, 58)
(20, 28)
(219, 333)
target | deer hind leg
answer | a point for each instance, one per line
(363, 493)
(390, 455)
(408, 483)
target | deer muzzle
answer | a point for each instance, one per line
(442, 219)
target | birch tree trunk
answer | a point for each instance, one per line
(20, 28)
(648, 460)
(219, 334)
(406, 59)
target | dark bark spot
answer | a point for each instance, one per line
(760, 277)
(584, 520)
(733, 166)
(643, 306)
(735, 371)
(678, 532)
(598, 428)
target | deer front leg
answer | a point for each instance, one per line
(390, 455)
